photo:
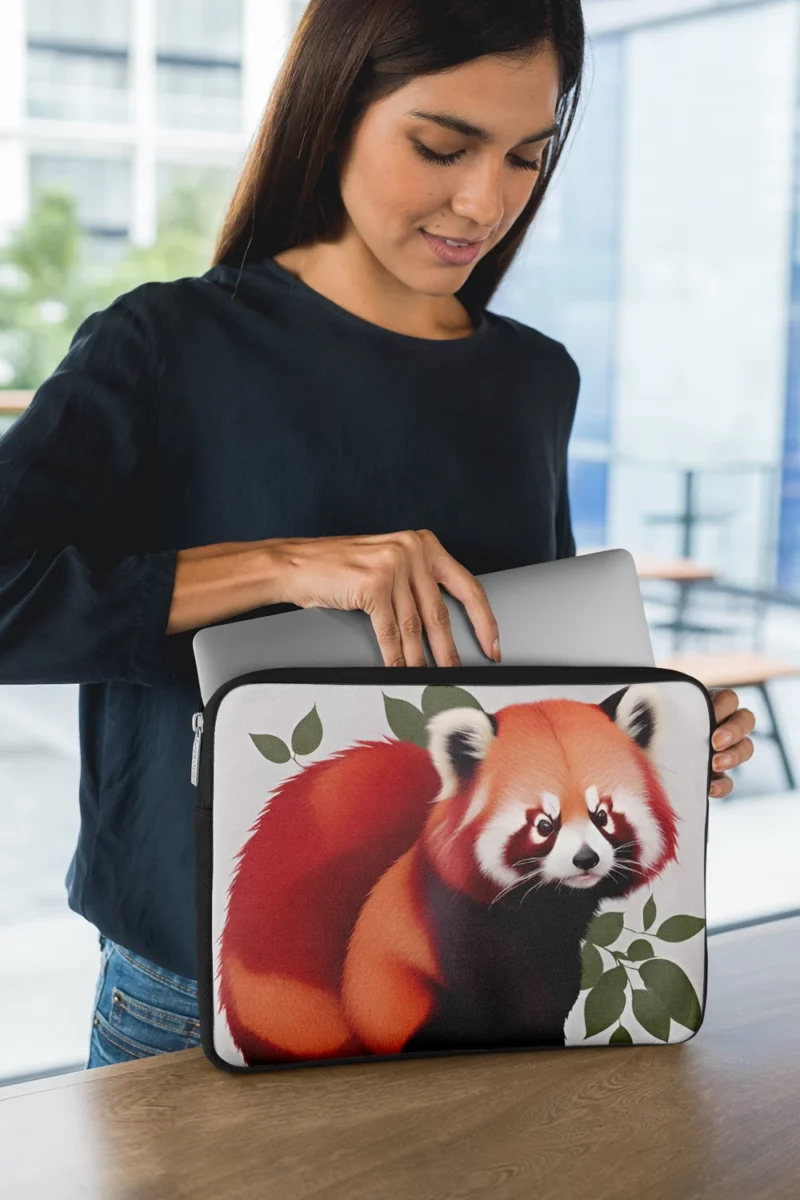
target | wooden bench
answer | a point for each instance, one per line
(741, 670)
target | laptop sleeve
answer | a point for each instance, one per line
(406, 861)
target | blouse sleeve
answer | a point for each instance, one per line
(565, 539)
(81, 599)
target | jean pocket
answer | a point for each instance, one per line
(144, 1028)
(143, 1009)
(109, 1046)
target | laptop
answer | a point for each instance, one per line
(580, 611)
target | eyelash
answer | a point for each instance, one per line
(447, 160)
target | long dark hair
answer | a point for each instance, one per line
(345, 55)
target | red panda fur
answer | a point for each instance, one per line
(325, 837)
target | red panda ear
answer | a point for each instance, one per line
(637, 711)
(458, 741)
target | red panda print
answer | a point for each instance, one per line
(392, 898)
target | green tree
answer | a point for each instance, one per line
(50, 280)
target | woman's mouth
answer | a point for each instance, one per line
(451, 254)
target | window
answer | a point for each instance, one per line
(78, 60)
(92, 22)
(102, 187)
(199, 64)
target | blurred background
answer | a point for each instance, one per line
(665, 257)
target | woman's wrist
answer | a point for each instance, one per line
(215, 582)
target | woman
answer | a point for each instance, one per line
(328, 417)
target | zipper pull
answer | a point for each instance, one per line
(197, 726)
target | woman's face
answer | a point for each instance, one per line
(392, 190)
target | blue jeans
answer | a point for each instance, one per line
(140, 1009)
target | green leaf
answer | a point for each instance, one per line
(406, 721)
(605, 929)
(438, 697)
(651, 1013)
(620, 1037)
(273, 748)
(591, 965)
(307, 733)
(640, 949)
(679, 929)
(649, 914)
(674, 989)
(605, 1001)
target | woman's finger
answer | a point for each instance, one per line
(725, 702)
(734, 729)
(721, 787)
(734, 757)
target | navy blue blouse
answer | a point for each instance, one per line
(235, 407)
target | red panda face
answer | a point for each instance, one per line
(554, 794)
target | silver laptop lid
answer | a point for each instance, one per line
(579, 611)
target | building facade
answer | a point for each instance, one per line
(122, 99)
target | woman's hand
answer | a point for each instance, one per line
(730, 739)
(394, 578)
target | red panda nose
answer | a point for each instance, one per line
(586, 858)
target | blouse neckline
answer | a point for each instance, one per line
(303, 290)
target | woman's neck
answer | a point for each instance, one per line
(351, 278)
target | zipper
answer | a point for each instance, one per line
(197, 726)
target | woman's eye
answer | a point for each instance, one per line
(447, 160)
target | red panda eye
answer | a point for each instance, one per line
(544, 827)
(601, 816)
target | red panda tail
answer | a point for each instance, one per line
(323, 840)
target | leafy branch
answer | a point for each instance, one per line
(306, 737)
(666, 993)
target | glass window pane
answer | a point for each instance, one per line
(102, 187)
(203, 28)
(93, 22)
(69, 86)
(199, 96)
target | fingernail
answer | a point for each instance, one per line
(721, 761)
(722, 738)
(496, 650)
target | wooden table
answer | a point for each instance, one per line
(739, 669)
(678, 570)
(13, 403)
(734, 669)
(714, 1118)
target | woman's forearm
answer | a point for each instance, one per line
(218, 581)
